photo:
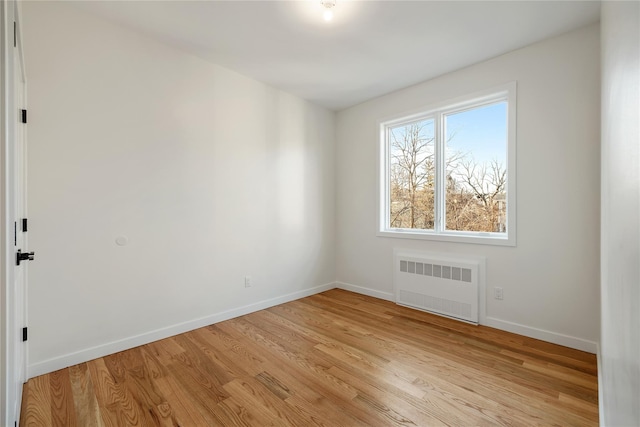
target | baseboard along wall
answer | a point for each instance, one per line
(516, 328)
(389, 296)
(66, 360)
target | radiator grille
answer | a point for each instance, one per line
(436, 270)
(440, 284)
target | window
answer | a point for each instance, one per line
(448, 173)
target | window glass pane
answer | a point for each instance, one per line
(411, 175)
(476, 169)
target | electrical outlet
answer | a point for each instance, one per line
(247, 281)
(497, 293)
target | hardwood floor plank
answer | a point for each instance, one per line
(324, 413)
(340, 394)
(274, 385)
(587, 410)
(165, 350)
(352, 301)
(84, 398)
(105, 391)
(247, 360)
(139, 385)
(452, 355)
(293, 378)
(183, 407)
(238, 414)
(63, 413)
(302, 364)
(387, 416)
(202, 388)
(123, 407)
(332, 359)
(384, 414)
(258, 397)
(37, 411)
(154, 367)
(571, 376)
(438, 357)
(228, 367)
(390, 404)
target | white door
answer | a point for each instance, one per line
(17, 184)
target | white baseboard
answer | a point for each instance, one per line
(541, 334)
(516, 328)
(366, 291)
(91, 353)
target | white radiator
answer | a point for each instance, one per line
(440, 284)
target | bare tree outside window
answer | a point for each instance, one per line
(477, 183)
(475, 154)
(412, 174)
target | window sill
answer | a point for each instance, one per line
(469, 237)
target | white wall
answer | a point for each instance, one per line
(213, 176)
(550, 279)
(210, 175)
(620, 339)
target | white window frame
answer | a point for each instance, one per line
(506, 93)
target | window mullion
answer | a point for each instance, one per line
(439, 174)
(387, 180)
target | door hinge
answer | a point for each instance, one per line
(15, 233)
(24, 334)
(15, 37)
(24, 116)
(24, 225)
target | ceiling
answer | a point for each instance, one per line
(370, 48)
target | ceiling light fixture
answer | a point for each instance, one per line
(328, 11)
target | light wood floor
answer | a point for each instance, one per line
(333, 359)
